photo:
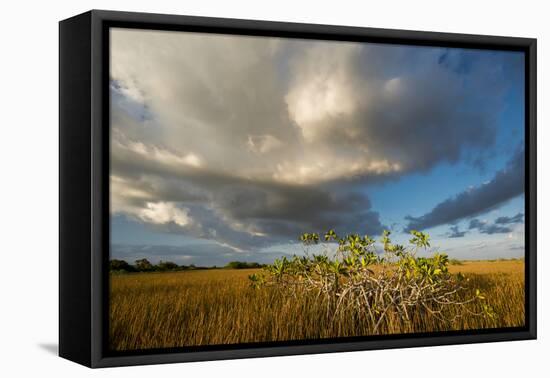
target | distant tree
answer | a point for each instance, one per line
(166, 265)
(120, 266)
(143, 265)
(242, 265)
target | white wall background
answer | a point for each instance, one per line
(29, 189)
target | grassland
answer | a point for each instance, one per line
(206, 307)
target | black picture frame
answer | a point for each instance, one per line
(84, 191)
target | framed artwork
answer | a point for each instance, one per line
(234, 188)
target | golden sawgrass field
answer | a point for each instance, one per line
(218, 306)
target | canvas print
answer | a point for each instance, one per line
(272, 190)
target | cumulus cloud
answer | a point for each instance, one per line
(507, 183)
(249, 141)
(307, 111)
(164, 212)
(380, 118)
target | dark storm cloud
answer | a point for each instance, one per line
(248, 213)
(495, 229)
(244, 212)
(518, 218)
(488, 228)
(505, 185)
(501, 225)
(455, 232)
(305, 208)
(475, 223)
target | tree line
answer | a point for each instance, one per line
(144, 265)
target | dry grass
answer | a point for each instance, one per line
(159, 310)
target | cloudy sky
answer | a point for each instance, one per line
(228, 147)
